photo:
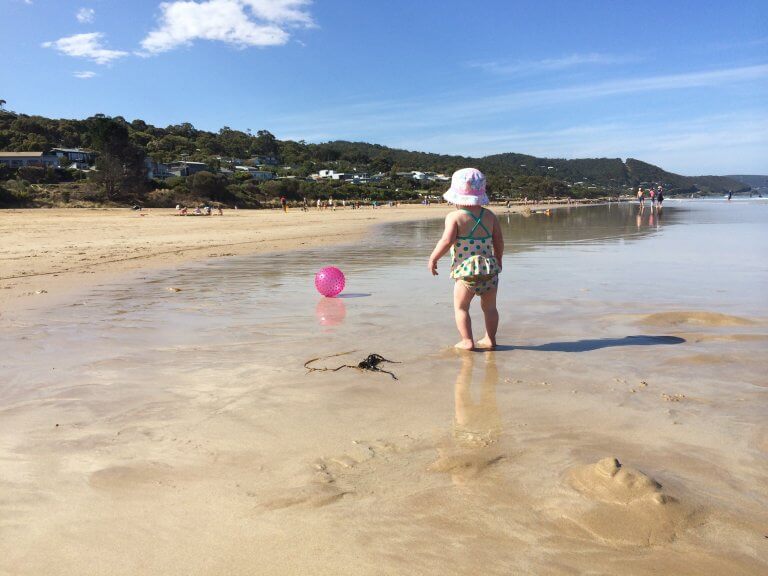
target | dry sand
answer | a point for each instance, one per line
(122, 453)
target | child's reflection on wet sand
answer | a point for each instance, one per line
(476, 425)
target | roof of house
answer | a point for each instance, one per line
(21, 154)
(79, 150)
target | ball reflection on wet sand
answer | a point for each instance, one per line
(330, 311)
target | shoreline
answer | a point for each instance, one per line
(100, 245)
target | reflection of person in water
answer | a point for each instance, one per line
(476, 425)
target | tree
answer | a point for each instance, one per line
(120, 163)
(265, 143)
(207, 185)
(33, 174)
(109, 175)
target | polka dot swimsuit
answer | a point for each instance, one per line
(472, 259)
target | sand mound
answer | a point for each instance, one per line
(137, 477)
(629, 507)
(694, 318)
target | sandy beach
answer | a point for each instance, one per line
(159, 420)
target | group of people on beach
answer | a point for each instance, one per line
(204, 210)
(655, 196)
(332, 204)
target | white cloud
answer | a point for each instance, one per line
(239, 22)
(420, 113)
(85, 15)
(281, 11)
(552, 64)
(85, 74)
(87, 46)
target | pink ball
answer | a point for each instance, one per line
(329, 281)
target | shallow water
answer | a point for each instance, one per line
(628, 334)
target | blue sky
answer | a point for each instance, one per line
(681, 84)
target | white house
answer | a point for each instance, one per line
(19, 159)
(255, 173)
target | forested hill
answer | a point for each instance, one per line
(756, 181)
(119, 142)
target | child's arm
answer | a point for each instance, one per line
(498, 242)
(444, 244)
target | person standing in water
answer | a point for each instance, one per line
(473, 235)
(640, 197)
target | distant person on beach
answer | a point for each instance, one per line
(284, 203)
(473, 235)
(640, 197)
(659, 198)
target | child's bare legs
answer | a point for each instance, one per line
(488, 304)
(461, 299)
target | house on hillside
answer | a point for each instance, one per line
(20, 159)
(75, 155)
(330, 174)
(264, 161)
(255, 173)
(184, 168)
(157, 170)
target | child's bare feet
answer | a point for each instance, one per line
(486, 343)
(465, 345)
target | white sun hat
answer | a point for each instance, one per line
(467, 188)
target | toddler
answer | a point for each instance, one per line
(473, 235)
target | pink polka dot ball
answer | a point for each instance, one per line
(330, 281)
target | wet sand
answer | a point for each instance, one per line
(46, 252)
(149, 431)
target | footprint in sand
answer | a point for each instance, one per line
(468, 464)
(315, 495)
(322, 490)
(627, 507)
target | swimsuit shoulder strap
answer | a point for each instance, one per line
(479, 222)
